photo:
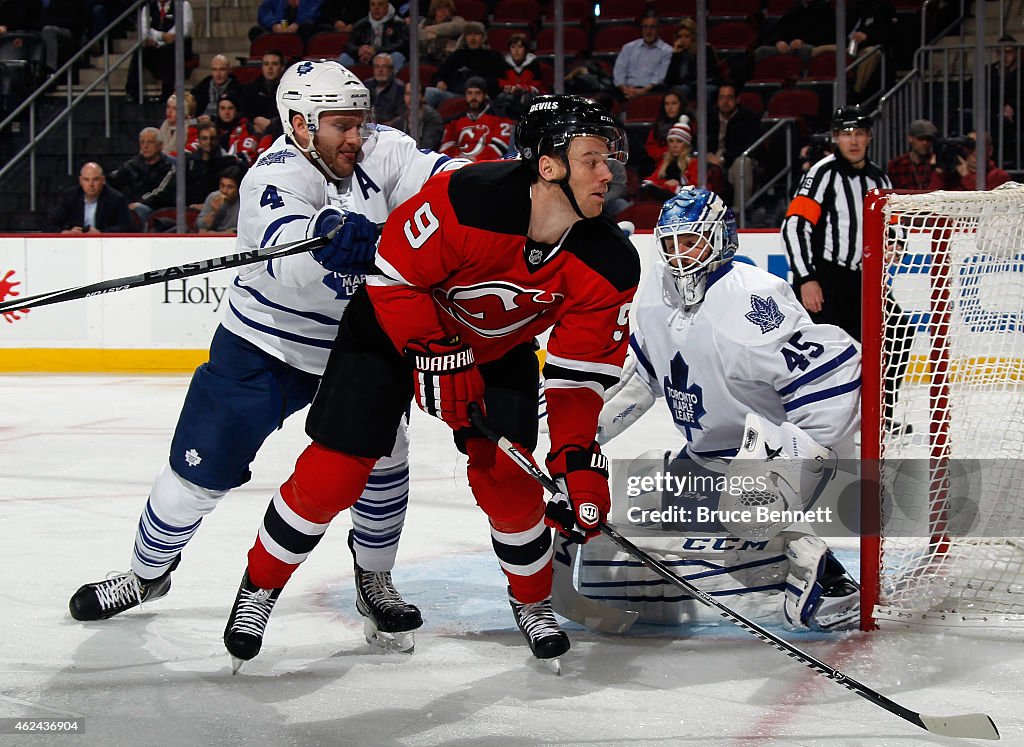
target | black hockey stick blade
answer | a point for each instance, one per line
(967, 726)
(151, 277)
(565, 598)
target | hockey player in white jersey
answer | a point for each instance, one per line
(740, 364)
(333, 167)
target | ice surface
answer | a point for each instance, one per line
(77, 455)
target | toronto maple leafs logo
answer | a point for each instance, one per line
(305, 67)
(192, 458)
(344, 286)
(764, 312)
(278, 156)
(685, 401)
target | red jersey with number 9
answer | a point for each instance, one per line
(455, 260)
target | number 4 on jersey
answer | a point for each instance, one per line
(795, 358)
(271, 198)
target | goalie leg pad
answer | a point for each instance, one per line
(820, 595)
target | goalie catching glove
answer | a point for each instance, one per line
(445, 379)
(582, 473)
(352, 249)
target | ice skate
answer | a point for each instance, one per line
(243, 635)
(389, 619)
(537, 622)
(119, 592)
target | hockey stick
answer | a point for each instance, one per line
(185, 270)
(565, 598)
(967, 726)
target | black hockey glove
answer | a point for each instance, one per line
(445, 379)
(582, 472)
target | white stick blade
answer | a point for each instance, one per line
(967, 726)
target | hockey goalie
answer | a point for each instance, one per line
(765, 401)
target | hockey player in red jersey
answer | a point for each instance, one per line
(472, 269)
(479, 134)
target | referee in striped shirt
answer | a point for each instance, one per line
(824, 236)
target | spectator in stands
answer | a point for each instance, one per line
(643, 63)
(92, 206)
(168, 128)
(380, 31)
(961, 174)
(522, 78)
(228, 118)
(1007, 96)
(473, 59)
(871, 25)
(287, 17)
(101, 13)
(387, 93)
(677, 167)
(220, 209)
(208, 91)
(63, 25)
(807, 29)
(259, 98)
(586, 76)
(205, 164)
(914, 169)
(159, 28)
(341, 15)
(148, 178)
(479, 134)
(732, 131)
(682, 67)
(431, 126)
(440, 30)
(672, 107)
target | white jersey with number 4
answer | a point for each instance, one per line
(290, 307)
(748, 347)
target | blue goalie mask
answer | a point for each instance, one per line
(696, 233)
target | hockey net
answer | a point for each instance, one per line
(943, 410)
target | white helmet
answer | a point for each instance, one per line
(313, 87)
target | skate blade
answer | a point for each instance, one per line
(400, 643)
(554, 665)
(236, 664)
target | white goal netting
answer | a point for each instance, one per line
(950, 430)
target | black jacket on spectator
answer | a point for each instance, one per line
(259, 99)
(152, 184)
(464, 63)
(388, 102)
(112, 213)
(201, 92)
(813, 21)
(682, 68)
(203, 176)
(348, 11)
(395, 37)
(743, 129)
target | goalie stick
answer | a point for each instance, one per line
(188, 269)
(967, 726)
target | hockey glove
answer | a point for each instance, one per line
(446, 379)
(585, 501)
(352, 249)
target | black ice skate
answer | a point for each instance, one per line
(243, 635)
(389, 619)
(119, 592)
(537, 621)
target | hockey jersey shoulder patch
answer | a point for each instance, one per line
(602, 246)
(758, 308)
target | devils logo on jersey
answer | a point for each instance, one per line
(495, 309)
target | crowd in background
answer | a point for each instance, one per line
(479, 66)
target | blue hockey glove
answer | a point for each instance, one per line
(352, 249)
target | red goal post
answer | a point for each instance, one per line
(942, 440)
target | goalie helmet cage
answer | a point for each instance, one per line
(943, 500)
